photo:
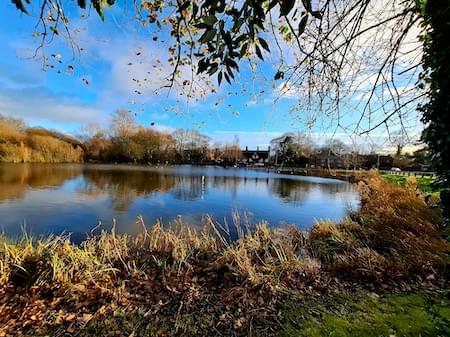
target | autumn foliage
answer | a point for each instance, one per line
(124, 141)
(19, 144)
(392, 235)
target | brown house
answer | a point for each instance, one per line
(326, 159)
(255, 157)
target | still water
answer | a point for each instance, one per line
(51, 199)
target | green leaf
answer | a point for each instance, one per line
(283, 29)
(264, 44)
(99, 5)
(227, 78)
(231, 63)
(98, 8)
(237, 24)
(202, 66)
(233, 12)
(230, 72)
(240, 38)
(220, 7)
(20, 6)
(302, 24)
(219, 77)
(243, 50)
(210, 20)
(228, 40)
(194, 10)
(258, 52)
(213, 68)
(279, 75)
(317, 14)
(183, 6)
(54, 30)
(307, 5)
(286, 6)
(201, 25)
(208, 35)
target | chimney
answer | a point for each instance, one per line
(246, 148)
(268, 149)
(257, 148)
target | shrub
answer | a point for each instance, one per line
(52, 150)
(20, 145)
(393, 234)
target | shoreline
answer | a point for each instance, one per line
(181, 282)
(155, 168)
(339, 174)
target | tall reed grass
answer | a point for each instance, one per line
(392, 235)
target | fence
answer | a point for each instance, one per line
(410, 173)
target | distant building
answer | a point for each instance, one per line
(255, 157)
(326, 159)
(382, 162)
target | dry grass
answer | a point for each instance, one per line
(394, 234)
(53, 260)
(104, 260)
(268, 257)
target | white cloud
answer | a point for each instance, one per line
(252, 139)
(159, 116)
(38, 105)
(13, 76)
(140, 68)
(290, 91)
(163, 128)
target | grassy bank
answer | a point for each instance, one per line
(409, 315)
(424, 184)
(180, 282)
(365, 315)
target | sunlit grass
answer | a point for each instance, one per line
(424, 184)
(418, 314)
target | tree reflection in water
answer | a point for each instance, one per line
(15, 179)
(124, 186)
(75, 197)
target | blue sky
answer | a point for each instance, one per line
(119, 59)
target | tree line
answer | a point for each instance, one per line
(123, 141)
(299, 150)
(126, 141)
(19, 144)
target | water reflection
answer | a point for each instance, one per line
(123, 186)
(52, 198)
(15, 179)
(189, 188)
(292, 191)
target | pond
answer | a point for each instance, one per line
(52, 199)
